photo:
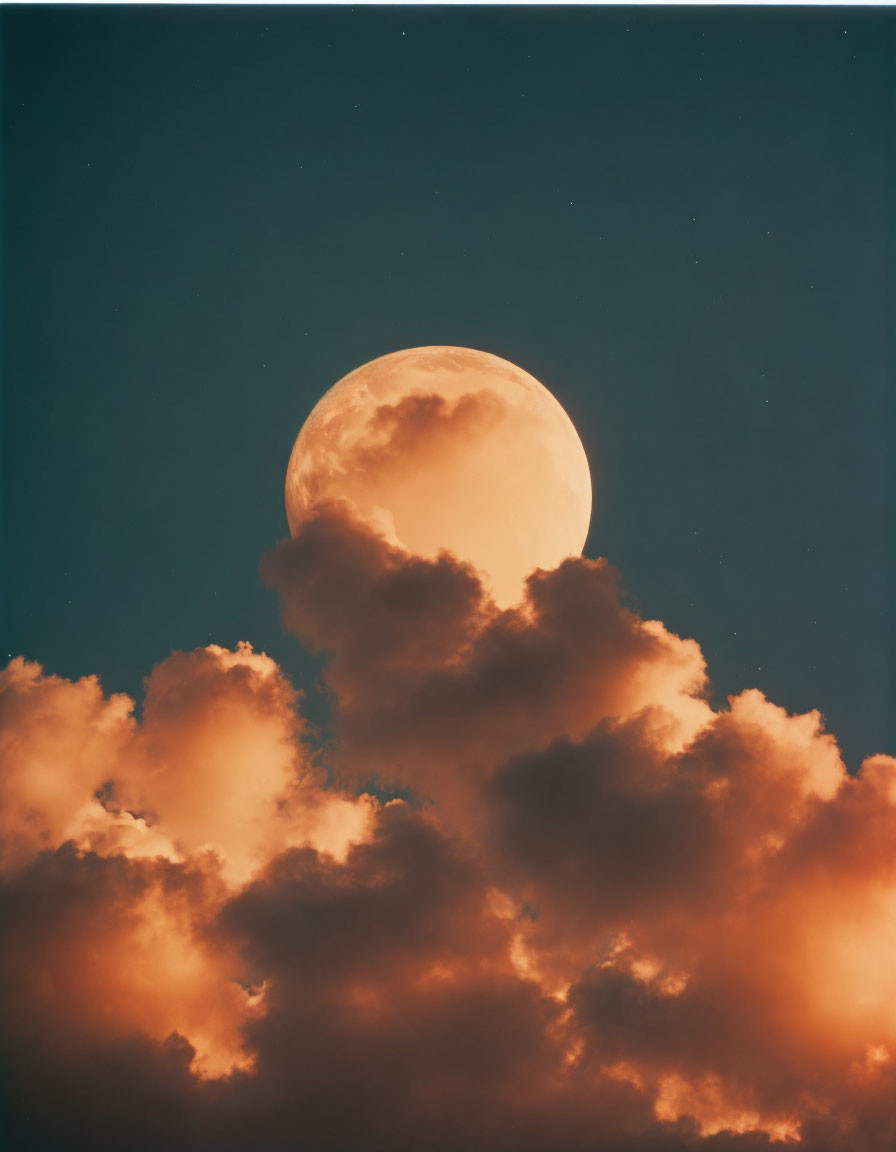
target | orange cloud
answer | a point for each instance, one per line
(607, 917)
(59, 742)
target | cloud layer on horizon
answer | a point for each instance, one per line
(610, 918)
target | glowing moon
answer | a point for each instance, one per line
(449, 449)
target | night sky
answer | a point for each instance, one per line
(677, 220)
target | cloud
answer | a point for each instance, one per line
(59, 743)
(434, 686)
(606, 917)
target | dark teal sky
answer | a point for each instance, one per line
(675, 219)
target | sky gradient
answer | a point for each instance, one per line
(676, 220)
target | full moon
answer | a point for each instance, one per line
(449, 449)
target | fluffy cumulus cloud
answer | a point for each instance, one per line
(603, 916)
